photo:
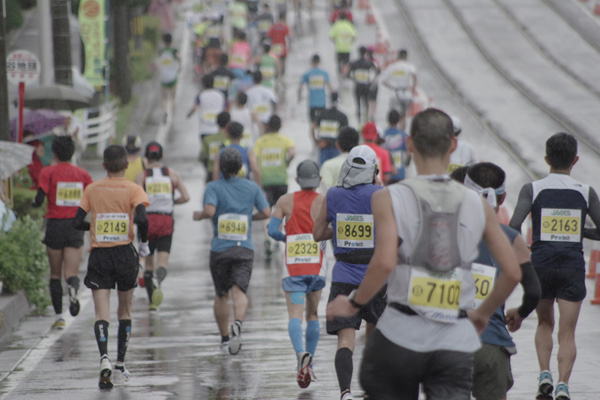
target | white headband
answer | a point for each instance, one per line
(488, 193)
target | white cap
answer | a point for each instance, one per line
(456, 125)
(364, 153)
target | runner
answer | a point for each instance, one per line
(436, 350)
(363, 72)
(384, 162)
(160, 184)
(240, 112)
(464, 155)
(235, 132)
(395, 143)
(115, 205)
(268, 64)
(222, 76)
(346, 217)
(329, 122)
(342, 8)
(229, 203)
(262, 101)
(401, 78)
(238, 17)
(280, 37)
(316, 80)
(168, 69)
(559, 206)
(63, 184)
(374, 88)
(342, 33)
(212, 144)
(135, 163)
(209, 103)
(330, 170)
(239, 61)
(264, 21)
(304, 275)
(492, 376)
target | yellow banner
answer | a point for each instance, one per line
(92, 26)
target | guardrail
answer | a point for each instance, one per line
(99, 126)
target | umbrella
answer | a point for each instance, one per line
(37, 122)
(13, 157)
(55, 97)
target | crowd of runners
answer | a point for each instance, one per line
(422, 260)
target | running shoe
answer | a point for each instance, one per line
(303, 376)
(346, 395)
(74, 305)
(157, 297)
(152, 307)
(225, 346)
(313, 377)
(562, 392)
(545, 387)
(120, 375)
(105, 381)
(235, 341)
(59, 324)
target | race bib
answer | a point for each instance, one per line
(232, 227)
(329, 129)
(560, 225)
(112, 227)
(221, 83)
(243, 171)
(484, 276)
(271, 157)
(361, 76)
(264, 26)
(267, 71)
(213, 150)
(435, 294)
(68, 194)
(277, 48)
(316, 82)
(261, 109)
(238, 59)
(209, 117)
(302, 249)
(397, 157)
(346, 39)
(159, 187)
(354, 231)
(399, 72)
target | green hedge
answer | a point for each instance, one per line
(27, 4)
(14, 16)
(24, 264)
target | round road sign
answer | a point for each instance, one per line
(22, 66)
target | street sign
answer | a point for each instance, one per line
(22, 66)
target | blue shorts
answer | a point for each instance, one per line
(303, 283)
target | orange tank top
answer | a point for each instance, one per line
(303, 255)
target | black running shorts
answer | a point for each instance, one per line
(231, 267)
(392, 372)
(60, 234)
(110, 266)
(370, 313)
(160, 244)
(562, 283)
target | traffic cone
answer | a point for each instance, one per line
(597, 7)
(596, 299)
(594, 258)
(379, 44)
(363, 4)
(370, 20)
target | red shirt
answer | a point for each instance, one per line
(278, 33)
(383, 159)
(303, 254)
(336, 14)
(63, 184)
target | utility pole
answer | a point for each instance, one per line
(122, 73)
(61, 35)
(4, 122)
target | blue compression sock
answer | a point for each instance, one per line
(295, 331)
(312, 336)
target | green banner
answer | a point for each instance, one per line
(93, 33)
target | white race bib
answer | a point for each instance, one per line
(329, 129)
(159, 187)
(232, 227)
(355, 231)
(560, 225)
(435, 295)
(302, 249)
(271, 157)
(112, 227)
(484, 276)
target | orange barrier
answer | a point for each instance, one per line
(370, 19)
(594, 259)
(596, 299)
(363, 4)
(597, 7)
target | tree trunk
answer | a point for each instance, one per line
(61, 34)
(121, 46)
(4, 122)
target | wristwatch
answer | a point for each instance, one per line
(353, 302)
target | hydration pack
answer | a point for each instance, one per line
(436, 247)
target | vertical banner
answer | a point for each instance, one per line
(93, 33)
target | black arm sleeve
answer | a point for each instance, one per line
(79, 221)
(39, 198)
(594, 213)
(523, 207)
(532, 290)
(141, 220)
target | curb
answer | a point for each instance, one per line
(13, 308)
